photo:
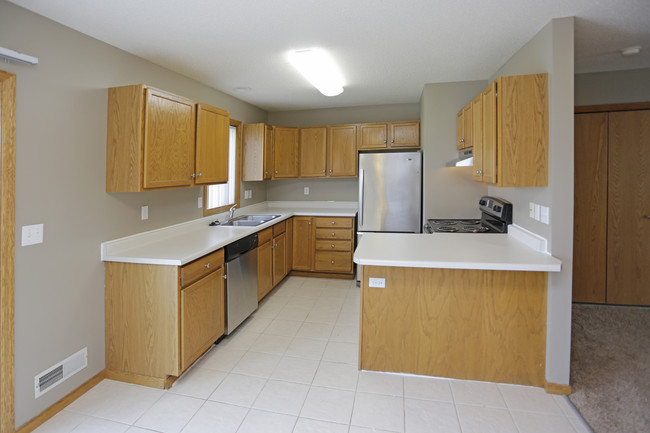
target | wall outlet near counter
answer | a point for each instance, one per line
(32, 235)
(539, 213)
(377, 282)
(248, 194)
(306, 190)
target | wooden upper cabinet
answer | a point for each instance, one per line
(404, 134)
(488, 150)
(212, 143)
(460, 130)
(342, 151)
(464, 127)
(151, 140)
(168, 149)
(373, 136)
(389, 135)
(286, 158)
(477, 136)
(313, 152)
(257, 152)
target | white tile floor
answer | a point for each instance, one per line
(292, 367)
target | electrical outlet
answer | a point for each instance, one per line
(144, 213)
(306, 189)
(531, 209)
(537, 211)
(200, 202)
(32, 235)
(377, 282)
(248, 193)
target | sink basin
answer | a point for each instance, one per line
(249, 220)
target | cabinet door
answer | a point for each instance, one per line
(373, 136)
(405, 134)
(303, 243)
(285, 152)
(268, 152)
(489, 138)
(264, 269)
(168, 140)
(477, 137)
(279, 258)
(589, 210)
(212, 143)
(628, 216)
(460, 130)
(467, 118)
(202, 316)
(342, 158)
(313, 152)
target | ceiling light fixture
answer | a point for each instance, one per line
(319, 69)
(15, 55)
(631, 51)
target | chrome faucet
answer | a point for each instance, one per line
(231, 212)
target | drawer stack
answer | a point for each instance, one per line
(333, 244)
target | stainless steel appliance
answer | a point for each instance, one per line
(241, 280)
(390, 192)
(496, 214)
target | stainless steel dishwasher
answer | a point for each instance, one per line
(241, 280)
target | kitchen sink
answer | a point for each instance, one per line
(248, 220)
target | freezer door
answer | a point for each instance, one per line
(390, 192)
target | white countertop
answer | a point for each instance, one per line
(453, 251)
(182, 243)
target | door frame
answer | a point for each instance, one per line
(7, 246)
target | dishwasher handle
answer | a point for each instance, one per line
(240, 247)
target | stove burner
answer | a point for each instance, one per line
(475, 229)
(470, 222)
(447, 229)
(445, 222)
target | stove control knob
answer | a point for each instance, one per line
(482, 202)
(497, 208)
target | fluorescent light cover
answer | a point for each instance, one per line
(319, 69)
(15, 55)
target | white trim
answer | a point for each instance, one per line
(533, 240)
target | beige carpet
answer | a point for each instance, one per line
(610, 367)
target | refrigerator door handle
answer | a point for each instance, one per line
(360, 197)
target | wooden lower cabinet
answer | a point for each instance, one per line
(264, 263)
(160, 319)
(273, 256)
(323, 244)
(457, 323)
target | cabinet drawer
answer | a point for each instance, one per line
(200, 267)
(333, 261)
(345, 234)
(264, 236)
(328, 245)
(279, 228)
(340, 222)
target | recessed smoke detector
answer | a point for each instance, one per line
(631, 51)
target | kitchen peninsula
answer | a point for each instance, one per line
(455, 305)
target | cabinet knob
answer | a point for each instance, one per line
(193, 175)
(385, 141)
(200, 174)
(330, 170)
(323, 171)
(207, 265)
(266, 172)
(276, 172)
(309, 223)
(333, 234)
(392, 141)
(333, 222)
(332, 261)
(462, 140)
(332, 245)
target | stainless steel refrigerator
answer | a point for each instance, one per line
(390, 192)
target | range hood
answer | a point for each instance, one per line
(465, 159)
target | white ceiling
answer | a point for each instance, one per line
(387, 49)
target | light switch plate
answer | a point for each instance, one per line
(377, 282)
(144, 213)
(545, 215)
(531, 209)
(306, 190)
(537, 212)
(200, 202)
(32, 235)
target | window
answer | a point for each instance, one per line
(218, 198)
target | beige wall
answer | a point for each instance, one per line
(60, 172)
(331, 189)
(449, 192)
(551, 51)
(613, 87)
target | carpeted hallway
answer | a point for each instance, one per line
(610, 367)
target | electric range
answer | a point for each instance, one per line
(496, 215)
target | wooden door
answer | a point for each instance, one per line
(212, 144)
(303, 243)
(202, 316)
(268, 152)
(489, 138)
(264, 269)
(279, 252)
(467, 119)
(405, 134)
(313, 152)
(342, 158)
(285, 152)
(477, 137)
(373, 136)
(460, 130)
(590, 208)
(168, 140)
(628, 210)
